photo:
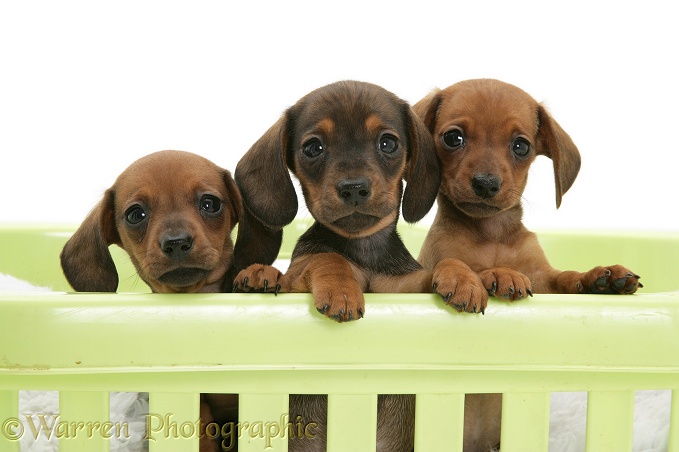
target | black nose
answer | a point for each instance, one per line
(354, 191)
(486, 185)
(176, 246)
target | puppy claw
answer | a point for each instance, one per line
(506, 283)
(258, 278)
(510, 293)
(360, 313)
(339, 298)
(615, 279)
(459, 286)
(461, 307)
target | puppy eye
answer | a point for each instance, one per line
(210, 204)
(388, 144)
(453, 139)
(312, 148)
(135, 215)
(520, 147)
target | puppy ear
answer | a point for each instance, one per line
(423, 170)
(555, 143)
(263, 179)
(427, 109)
(236, 202)
(269, 200)
(85, 259)
(256, 243)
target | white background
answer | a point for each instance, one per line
(88, 87)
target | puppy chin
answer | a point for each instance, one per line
(475, 207)
(478, 209)
(355, 223)
(181, 280)
(191, 276)
(359, 225)
(183, 277)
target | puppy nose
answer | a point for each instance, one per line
(176, 247)
(486, 185)
(354, 191)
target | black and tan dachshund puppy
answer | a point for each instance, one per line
(350, 145)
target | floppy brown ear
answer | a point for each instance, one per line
(423, 170)
(427, 109)
(263, 179)
(85, 259)
(236, 202)
(269, 200)
(555, 143)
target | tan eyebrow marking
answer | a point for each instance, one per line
(326, 126)
(374, 124)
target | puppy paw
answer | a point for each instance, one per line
(615, 279)
(259, 278)
(459, 286)
(506, 283)
(339, 300)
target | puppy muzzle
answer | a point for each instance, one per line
(177, 247)
(486, 185)
(480, 201)
(354, 192)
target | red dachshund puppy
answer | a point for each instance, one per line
(487, 133)
(173, 213)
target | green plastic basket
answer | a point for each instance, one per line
(265, 347)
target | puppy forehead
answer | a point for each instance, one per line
(169, 175)
(345, 108)
(489, 104)
(372, 124)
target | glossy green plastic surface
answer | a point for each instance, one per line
(56, 332)
(269, 346)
